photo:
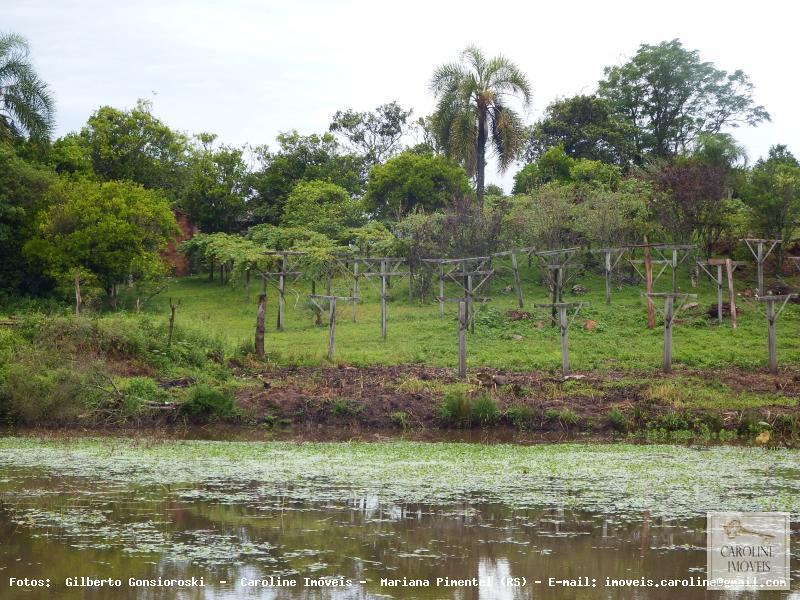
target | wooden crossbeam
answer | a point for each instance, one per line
(760, 256)
(564, 324)
(669, 317)
(772, 317)
(730, 266)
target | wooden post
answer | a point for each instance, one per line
(648, 278)
(172, 308)
(564, 325)
(668, 316)
(517, 283)
(462, 340)
(78, 300)
(470, 307)
(262, 309)
(719, 294)
(281, 292)
(331, 327)
(441, 290)
(731, 292)
(410, 281)
(383, 298)
(355, 288)
(771, 342)
(608, 276)
(674, 265)
(760, 261)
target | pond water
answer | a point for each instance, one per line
(235, 515)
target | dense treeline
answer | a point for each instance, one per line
(649, 153)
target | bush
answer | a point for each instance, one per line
(618, 420)
(204, 402)
(520, 415)
(39, 389)
(140, 390)
(460, 409)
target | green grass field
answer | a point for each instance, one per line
(418, 334)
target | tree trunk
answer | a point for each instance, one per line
(480, 158)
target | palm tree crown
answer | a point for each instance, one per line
(471, 109)
(26, 104)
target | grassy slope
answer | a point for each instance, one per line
(417, 334)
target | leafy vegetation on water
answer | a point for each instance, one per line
(668, 481)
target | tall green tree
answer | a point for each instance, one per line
(217, 188)
(26, 103)
(585, 127)
(412, 181)
(472, 110)
(669, 96)
(323, 207)
(96, 234)
(134, 145)
(376, 135)
(773, 194)
(300, 158)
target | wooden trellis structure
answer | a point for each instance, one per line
(669, 317)
(772, 317)
(795, 260)
(331, 300)
(564, 323)
(387, 268)
(761, 257)
(730, 267)
(286, 270)
(469, 273)
(611, 258)
(555, 264)
(515, 268)
(668, 256)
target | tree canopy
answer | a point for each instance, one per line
(669, 96)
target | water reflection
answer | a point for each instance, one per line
(59, 528)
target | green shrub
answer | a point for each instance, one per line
(345, 408)
(520, 415)
(484, 410)
(207, 402)
(40, 389)
(568, 417)
(458, 408)
(400, 418)
(618, 420)
(140, 390)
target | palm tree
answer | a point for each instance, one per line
(471, 109)
(26, 105)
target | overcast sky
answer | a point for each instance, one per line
(247, 70)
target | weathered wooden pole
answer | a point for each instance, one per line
(281, 292)
(462, 340)
(674, 265)
(669, 301)
(517, 283)
(608, 275)
(78, 300)
(355, 288)
(564, 325)
(648, 279)
(441, 290)
(470, 307)
(384, 276)
(262, 310)
(410, 281)
(771, 341)
(172, 308)
(731, 292)
(760, 261)
(719, 294)
(331, 326)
